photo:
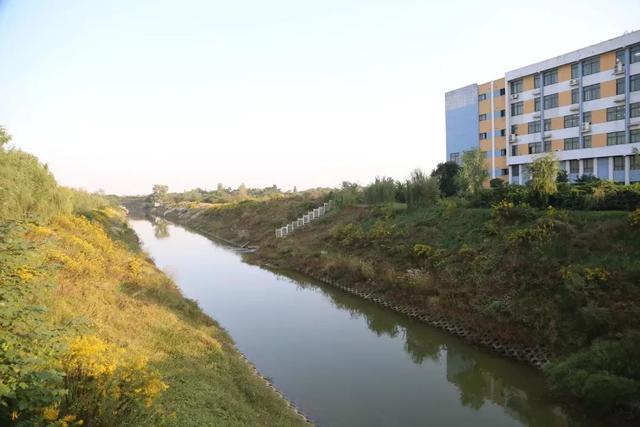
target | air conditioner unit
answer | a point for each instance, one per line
(573, 82)
(513, 137)
(586, 127)
(514, 96)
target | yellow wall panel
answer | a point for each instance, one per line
(607, 61)
(485, 145)
(484, 87)
(501, 142)
(484, 126)
(599, 116)
(501, 162)
(498, 84)
(527, 82)
(523, 149)
(564, 73)
(485, 107)
(499, 103)
(557, 145)
(501, 123)
(608, 88)
(557, 123)
(564, 98)
(599, 140)
(528, 106)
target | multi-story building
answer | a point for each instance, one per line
(584, 106)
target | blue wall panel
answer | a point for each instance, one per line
(603, 168)
(461, 113)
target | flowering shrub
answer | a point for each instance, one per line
(505, 211)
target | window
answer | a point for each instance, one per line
(547, 124)
(615, 138)
(535, 147)
(575, 96)
(574, 166)
(571, 120)
(504, 172)
(634, 83)
(591, 66)
(634, 135)
(571, 143)
(618, 163)
(482, 117)
(635, 53)
(536, 104)
(551, 101)
(575, 70)
(586, 116)
(536, 81)
(503, 113)
(482, 97)
(503, 152)
(586, 141)
(454, 157)
(620, 56)
(590, 93)
(634, 164)
(533, 127)
(587, 166)
(483, 135)
(615, 113)
(514, 150)
(503, 91)
(634, 109)
(517, 109)
(503, 132)
(550, 77)
(620, 86)
(516, 86)
(514, 129)
(515, 170)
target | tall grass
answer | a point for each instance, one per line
(422, 190)
(382, 190)
(28, 190)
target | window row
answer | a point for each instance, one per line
(483, 96)
(574, 143)
(617, 138)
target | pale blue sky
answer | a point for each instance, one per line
(120, 95)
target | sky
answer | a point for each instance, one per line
(120, 95)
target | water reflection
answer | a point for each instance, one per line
(160, 227)
(480, 377)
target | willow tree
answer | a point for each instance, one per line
(544, 172)
(473, 172)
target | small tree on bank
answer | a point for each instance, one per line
(159, 194)
(473, 173)
(447, 175)
(544, 174)
(422, 190)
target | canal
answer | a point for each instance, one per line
(342, 360)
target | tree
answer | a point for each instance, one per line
(473, 173)
(447, 175)
(422, 190)
(159, 194)
(544, 174)
(4, 137)
(242, 191)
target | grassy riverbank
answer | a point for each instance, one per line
(566, 280)
(92, 333)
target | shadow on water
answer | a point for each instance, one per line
(480, 376)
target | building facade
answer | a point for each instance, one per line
(584, 106)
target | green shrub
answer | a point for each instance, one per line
(601, 374)
(634, 219)
(505, 211)
(422, 190)
(382, 190)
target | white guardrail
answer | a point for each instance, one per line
(304, 219)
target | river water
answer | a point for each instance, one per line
(342, 360)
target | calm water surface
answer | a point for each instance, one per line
(344, 361)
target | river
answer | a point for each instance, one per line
(342, 360)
